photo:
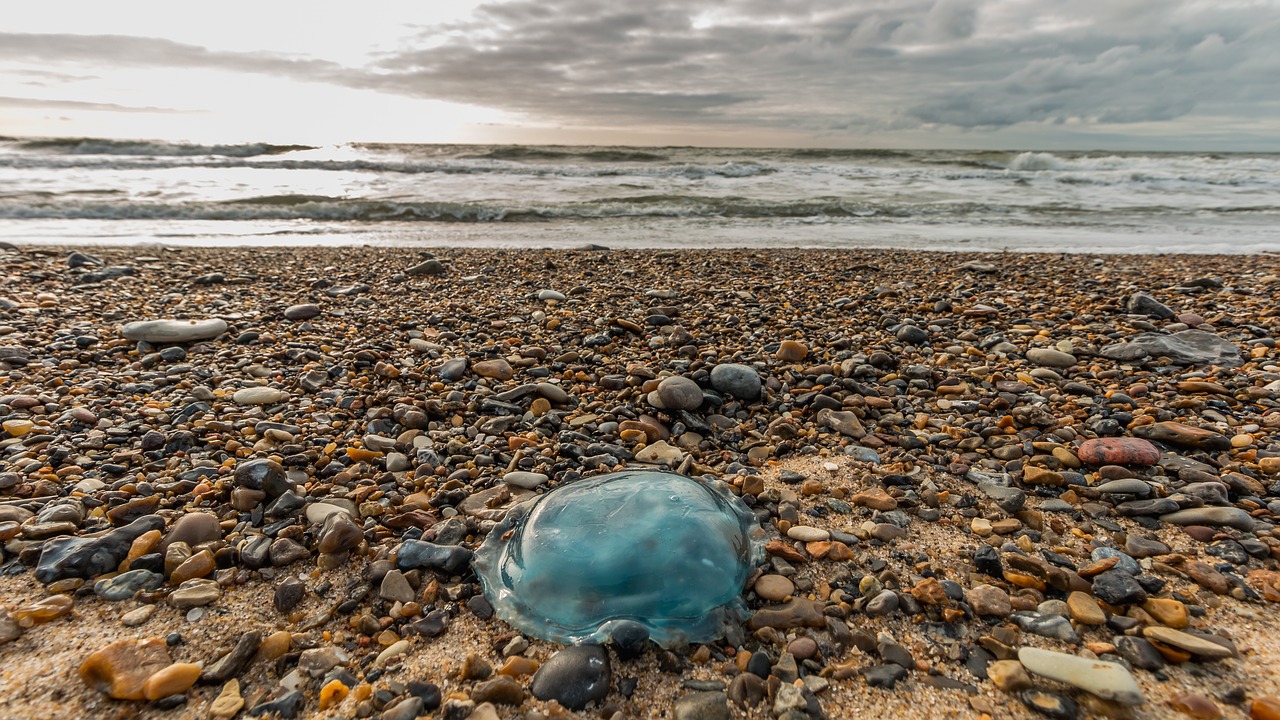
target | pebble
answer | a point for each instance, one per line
(707, 705)
(122, 668)
(228, 702)
(1050, 358)
(1211, 516)
(1196, 706)
(740, 381)
(1107, 680)
(1265, 708)
(678, 393)
(304, 311)
(259, 396)
(173, 331)
(774, 588)
(1193, 644)
(989, 600)
(1009, 675)
(1118, 451)
(172, 680)
(575, 677)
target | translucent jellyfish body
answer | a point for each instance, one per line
(664, 552)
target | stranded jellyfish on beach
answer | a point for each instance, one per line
(622, 553)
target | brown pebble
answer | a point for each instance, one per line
(122, 668)
(1197, 706)
(791, 351)
(774, 588)
(173, 680)
(803, 648)
(1265, 708)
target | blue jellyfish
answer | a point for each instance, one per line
(654, 550)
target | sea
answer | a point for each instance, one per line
(88, 191)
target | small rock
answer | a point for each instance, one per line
(158, 332)
(1109, 681)
(1118, 451)
(740, 381)
(121, 669)
(680, 393)
(301, 312)
(575, 677)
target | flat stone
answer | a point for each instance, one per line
(1107, 680)
(523, 479)
(173, 331)
(807, 534)
(845, 422)
(705, 705)
(1188, 347)
(1049, 357)
(1181, 434)
(1193, 644)
(228, 702)
(1212, 516)
(796, 613)
(195, 593)
(259, 396)
(304, 311)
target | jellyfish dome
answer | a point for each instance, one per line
(666, 552)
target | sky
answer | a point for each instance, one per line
(1042, 74)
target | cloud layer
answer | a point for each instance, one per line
(809, 67)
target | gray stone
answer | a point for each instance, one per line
(1213, 517)
(305, 311)
(740, 381)
(680, 393)
(1188, 347)
(706, 705)
(126, 584)
(1143, 304)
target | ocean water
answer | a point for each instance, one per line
(89, 191)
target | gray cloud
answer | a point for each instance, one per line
(22, 102)
(826, 69)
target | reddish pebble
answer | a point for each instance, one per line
(803, 648)
(1118, 451)
(1200, 532)
(1197, 706)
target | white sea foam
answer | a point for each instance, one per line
(247, 188)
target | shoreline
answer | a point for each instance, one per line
(910, 374)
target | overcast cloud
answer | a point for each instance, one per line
(831, 72)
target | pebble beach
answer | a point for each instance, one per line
(248, 482)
